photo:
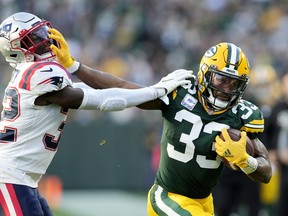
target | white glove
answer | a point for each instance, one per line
(170, 82)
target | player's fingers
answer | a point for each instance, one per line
(55, 37)
(183, 72)
(59, 39)
(243, 135)
(243, 138)
(218, 148)
(184, 82)
(219, 141)
(55, 50)
(185, 75)
(225, 134)
(55, 32)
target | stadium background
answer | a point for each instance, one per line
(106, 161)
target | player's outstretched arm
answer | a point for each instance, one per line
(94, 78)
(114, 99)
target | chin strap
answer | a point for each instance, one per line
(216, 103)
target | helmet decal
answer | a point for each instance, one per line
(6, 28)
(211, 52)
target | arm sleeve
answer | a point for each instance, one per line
(115, 99)
(80, 85)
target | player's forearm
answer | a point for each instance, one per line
(263, 173)
(115, 99)
(101, 80)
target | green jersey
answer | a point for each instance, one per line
(189, 164)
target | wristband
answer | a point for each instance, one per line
(74, 67)
(251, 165)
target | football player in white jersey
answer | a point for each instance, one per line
(35, 107)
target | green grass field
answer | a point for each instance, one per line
(101, 203)
(58, 212)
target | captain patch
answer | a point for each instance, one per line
(189, 102)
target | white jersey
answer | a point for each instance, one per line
(30, 134)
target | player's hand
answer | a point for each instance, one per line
(232, 151)
(63, 53)
(170, 82)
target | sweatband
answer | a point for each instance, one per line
(252, 165)
(74, 67)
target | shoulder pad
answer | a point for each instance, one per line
(43, 77)
(251, 116)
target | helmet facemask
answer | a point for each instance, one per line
(222, 90)
(36, 42)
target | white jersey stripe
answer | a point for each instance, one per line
(254, 126)
(7, 199)
(166, 209)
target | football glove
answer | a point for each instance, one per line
(233, 151)
(63, 53)
(176, 78)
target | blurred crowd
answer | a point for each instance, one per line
(142, 40)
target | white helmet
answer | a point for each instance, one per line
(24, 38)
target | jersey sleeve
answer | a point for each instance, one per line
(44, 77)
(253, 120)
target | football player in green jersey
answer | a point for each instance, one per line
(194, 115)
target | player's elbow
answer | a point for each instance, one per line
(267, 177)
(113, 105)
